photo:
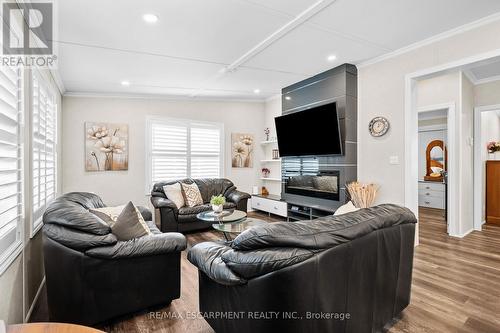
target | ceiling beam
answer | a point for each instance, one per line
(303, 17)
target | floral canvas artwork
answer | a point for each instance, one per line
(242, 150)
(106, 146)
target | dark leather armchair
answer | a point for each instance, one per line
(91, 276)
(170, 218)
(349, 273)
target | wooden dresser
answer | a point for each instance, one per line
(493, 192)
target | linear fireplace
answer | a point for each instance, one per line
(323, 184)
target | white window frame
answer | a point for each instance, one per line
(150, 120)
(36, 222)
(14, 249)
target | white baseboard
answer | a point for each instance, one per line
(462, 235)
(38, 292)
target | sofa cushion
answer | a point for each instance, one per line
(72, 210)
(202, 208)
(325, 232)
(192, 195)
(207, 257)
(213, 186)
(130, 224)
(249, 264)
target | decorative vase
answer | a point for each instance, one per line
(217, 208)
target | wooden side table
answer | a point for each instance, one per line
(50, 328)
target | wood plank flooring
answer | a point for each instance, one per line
(456, 286)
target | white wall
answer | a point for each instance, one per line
(487, 93)
(441, 89)
(490, 131)
(117, 187)
(382, 93)
(466, 190)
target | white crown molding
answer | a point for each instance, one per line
(487, 80)
(273, 97)
(56, 76)
(455, 31)
(173, 98)
(470, 75)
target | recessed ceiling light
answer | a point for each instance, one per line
(256, 91)
(125, 83)
(331, 57)
(150, 18)
(288, 98)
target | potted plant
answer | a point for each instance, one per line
(217, 202)
(265, 172)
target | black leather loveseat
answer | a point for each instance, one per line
(170, 218)
(348, 273)
(91, 276)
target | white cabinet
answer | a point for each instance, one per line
(431, 195)
(273, 206)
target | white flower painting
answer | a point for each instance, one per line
(106, 147)
(242, 150)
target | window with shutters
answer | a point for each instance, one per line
(183, 148)
(10, 164)
(44, 157)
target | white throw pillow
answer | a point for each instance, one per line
(108, 214)
(174, 194)
(347, 208)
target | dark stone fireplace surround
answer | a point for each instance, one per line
(335, 85)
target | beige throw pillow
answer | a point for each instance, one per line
(108, 214)
(130, 224)
(174, 194)
(192, 195)
(347, 208)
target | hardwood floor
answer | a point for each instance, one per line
(456, 286)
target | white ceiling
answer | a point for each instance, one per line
(267, 44)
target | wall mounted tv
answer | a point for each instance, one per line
(313, 131)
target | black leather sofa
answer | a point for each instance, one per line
(91, 277)
(348, 273)
(170, 218)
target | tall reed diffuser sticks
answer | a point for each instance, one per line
(362, 195)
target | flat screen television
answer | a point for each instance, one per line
(313, 131)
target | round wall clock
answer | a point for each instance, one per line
(378, 126)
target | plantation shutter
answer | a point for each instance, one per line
(205, 151)
(44, 124)
(182, 149)
(10, 161)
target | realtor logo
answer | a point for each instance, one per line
(28, 35)
(36, 21)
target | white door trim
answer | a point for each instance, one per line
(478, 168)
(411, 155)
(452, 227)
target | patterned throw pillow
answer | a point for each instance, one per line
(192, 195)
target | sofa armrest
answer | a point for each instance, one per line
(146, 213)
(237, 196)
(159, 202)
(207, 257)
(141, 247)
